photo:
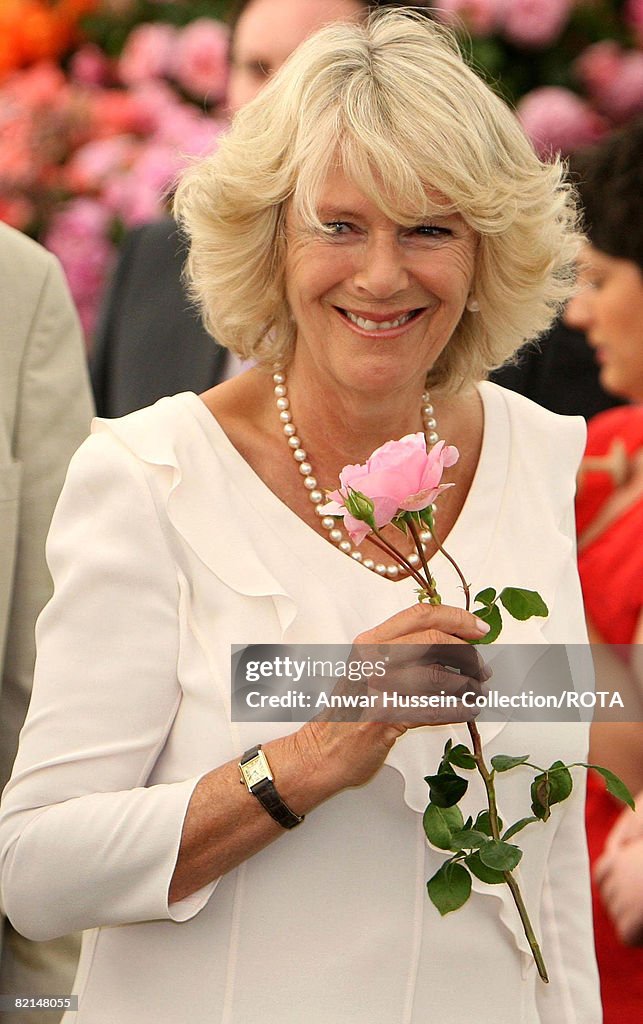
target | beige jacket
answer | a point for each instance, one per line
(45, 411)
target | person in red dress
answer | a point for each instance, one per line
(609, 309)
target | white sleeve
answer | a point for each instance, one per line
(83, 842)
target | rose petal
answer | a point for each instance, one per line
(418, 502)
(356, 528)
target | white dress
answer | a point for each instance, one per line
(156, 574)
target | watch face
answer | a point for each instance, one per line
(256, 770)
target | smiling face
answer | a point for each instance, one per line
(374, 302)
(609, 310)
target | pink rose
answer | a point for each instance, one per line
(41, 84)
(633, 16)
(133, 201)
(154, 102)
(200, 63)
(90, 66)
(556, 120)
(120, 112)
(148, 53)
(97, 161)
(200, 135)
(535, 22)
(598, 65)
(622, 96)
(479, 16)
(79, 236)
(400, 475)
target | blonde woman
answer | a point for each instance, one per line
(375, 224)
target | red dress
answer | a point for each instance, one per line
(611, 572)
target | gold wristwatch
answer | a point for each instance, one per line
(255, 772)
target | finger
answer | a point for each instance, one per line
(447, 715)
(627, 827)
(422, 617)
(430, 679)
(405, 659)
(602, 868)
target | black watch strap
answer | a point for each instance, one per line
(266, 793)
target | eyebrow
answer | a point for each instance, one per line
(337, 212)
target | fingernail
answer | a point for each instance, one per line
(482, 627)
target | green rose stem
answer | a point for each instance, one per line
(487, 778)
(415, 533)
(380, 542)
(486, 775)
(465, 585)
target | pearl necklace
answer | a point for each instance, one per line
(316, 495)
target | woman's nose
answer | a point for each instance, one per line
(382, 268)
(578, 310)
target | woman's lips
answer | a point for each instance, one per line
(381, 325)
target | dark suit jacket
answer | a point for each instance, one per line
(150, 342)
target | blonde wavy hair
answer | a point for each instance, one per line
(394, 104)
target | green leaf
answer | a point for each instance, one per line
(483, 823)
(503, 762)
(487, 596)
(468, 839)
(540, 789)
(426, 516)
(446, 788)
(462, 757)
(492, 616)
(615, 786)
(440, 823)
(481, 870)
(400, 523)
(500, 856)
(518, 827)
(549, 788)
(561, 783)
(450, 887)
(523, 604)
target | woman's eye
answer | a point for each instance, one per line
(337, 227)
(432, 231)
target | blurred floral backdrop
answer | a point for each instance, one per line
(102, 100)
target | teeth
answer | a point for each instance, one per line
(372, 325)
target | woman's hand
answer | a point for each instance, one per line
(426, 652)
(628, 827)
(620, 876)
(225, 825)
(619, 873)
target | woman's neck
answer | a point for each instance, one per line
(351, 425)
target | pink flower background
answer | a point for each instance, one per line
(91, 144)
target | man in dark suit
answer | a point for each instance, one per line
(150, 342)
